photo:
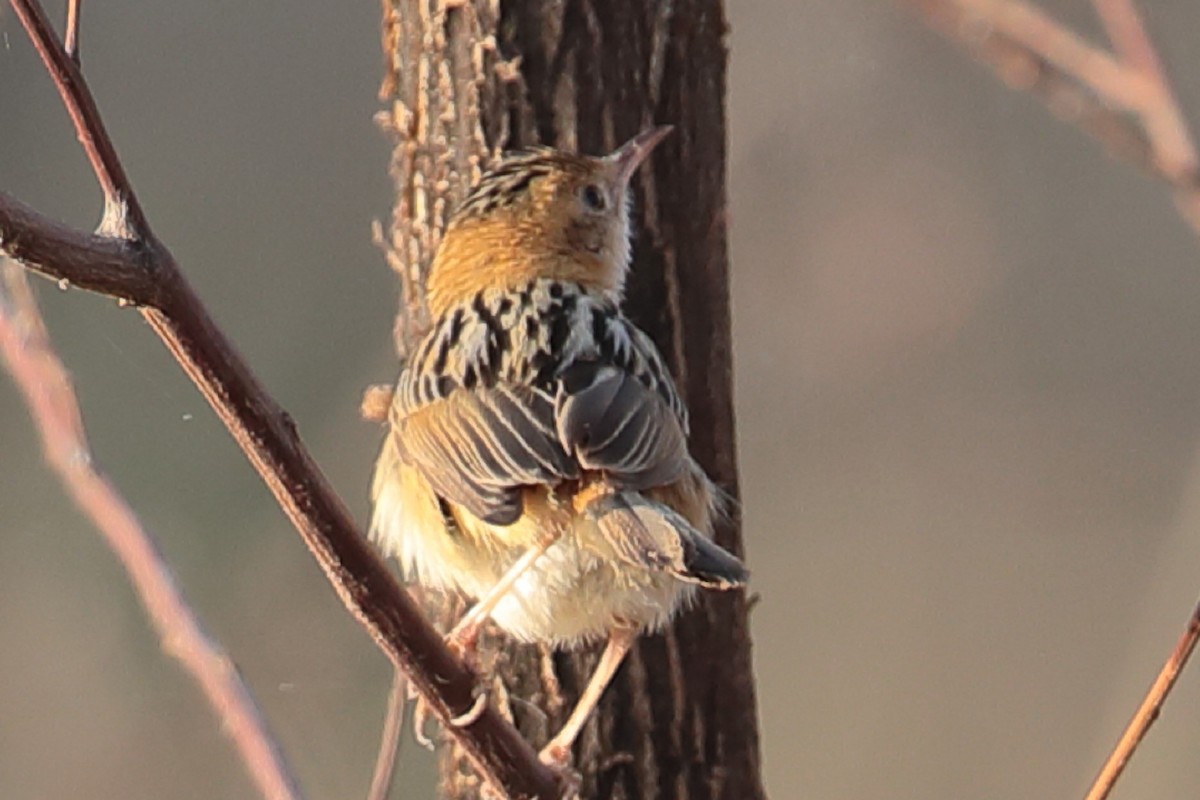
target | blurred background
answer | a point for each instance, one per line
(968, 398)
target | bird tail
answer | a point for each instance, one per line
(649, 534)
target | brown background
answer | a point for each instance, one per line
(968, 392)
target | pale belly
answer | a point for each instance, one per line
(574, 593)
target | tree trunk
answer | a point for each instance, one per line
(467, 79)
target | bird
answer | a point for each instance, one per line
(536, 456)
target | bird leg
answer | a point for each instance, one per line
(465, 635)
(557, 751)
(462, 638)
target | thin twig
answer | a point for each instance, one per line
(123, 215)
(264, 432)
(1026, 70)
(1159, 108)
(71, 40)
(1063, 48)
(389, 739)
(40, 376)
(1125, 105)
(1174, 145)
(1147, 712)
(1004, 32)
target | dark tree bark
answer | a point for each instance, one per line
(467, 80)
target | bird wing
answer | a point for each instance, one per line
(652, 535)
(477, 447)
(483, 427)
(613, 423)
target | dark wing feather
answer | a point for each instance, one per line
(612, 423)
(480, 424)
(478, 447)
(648, 534)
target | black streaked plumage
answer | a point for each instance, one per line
(597, 399)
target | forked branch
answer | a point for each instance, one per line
(123, 259)
(1124, 101)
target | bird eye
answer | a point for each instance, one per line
(593, 197)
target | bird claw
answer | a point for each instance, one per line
(474, 712)
(421, 715)
(462, 643)
(420, 718)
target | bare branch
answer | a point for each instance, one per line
(123, 216)
(1026, 69)
(1064, 49)
(41, 377)
(1125, 105)
(1148, 711)
(1174, 145)
(389, 740)
(1004, 32)
(71, 39)
(264, 432)
(116, 267)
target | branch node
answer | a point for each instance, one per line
(115, 223)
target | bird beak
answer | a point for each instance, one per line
(629, 156)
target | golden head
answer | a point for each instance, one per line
(542, 213)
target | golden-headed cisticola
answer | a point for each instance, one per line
(536, 458)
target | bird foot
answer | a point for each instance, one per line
(421, 715)
(557, 757)
(420, 718)
(463, 643)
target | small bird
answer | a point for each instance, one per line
(536, 457)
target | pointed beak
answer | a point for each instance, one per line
(629, 156)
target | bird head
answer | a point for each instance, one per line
(542, 213)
